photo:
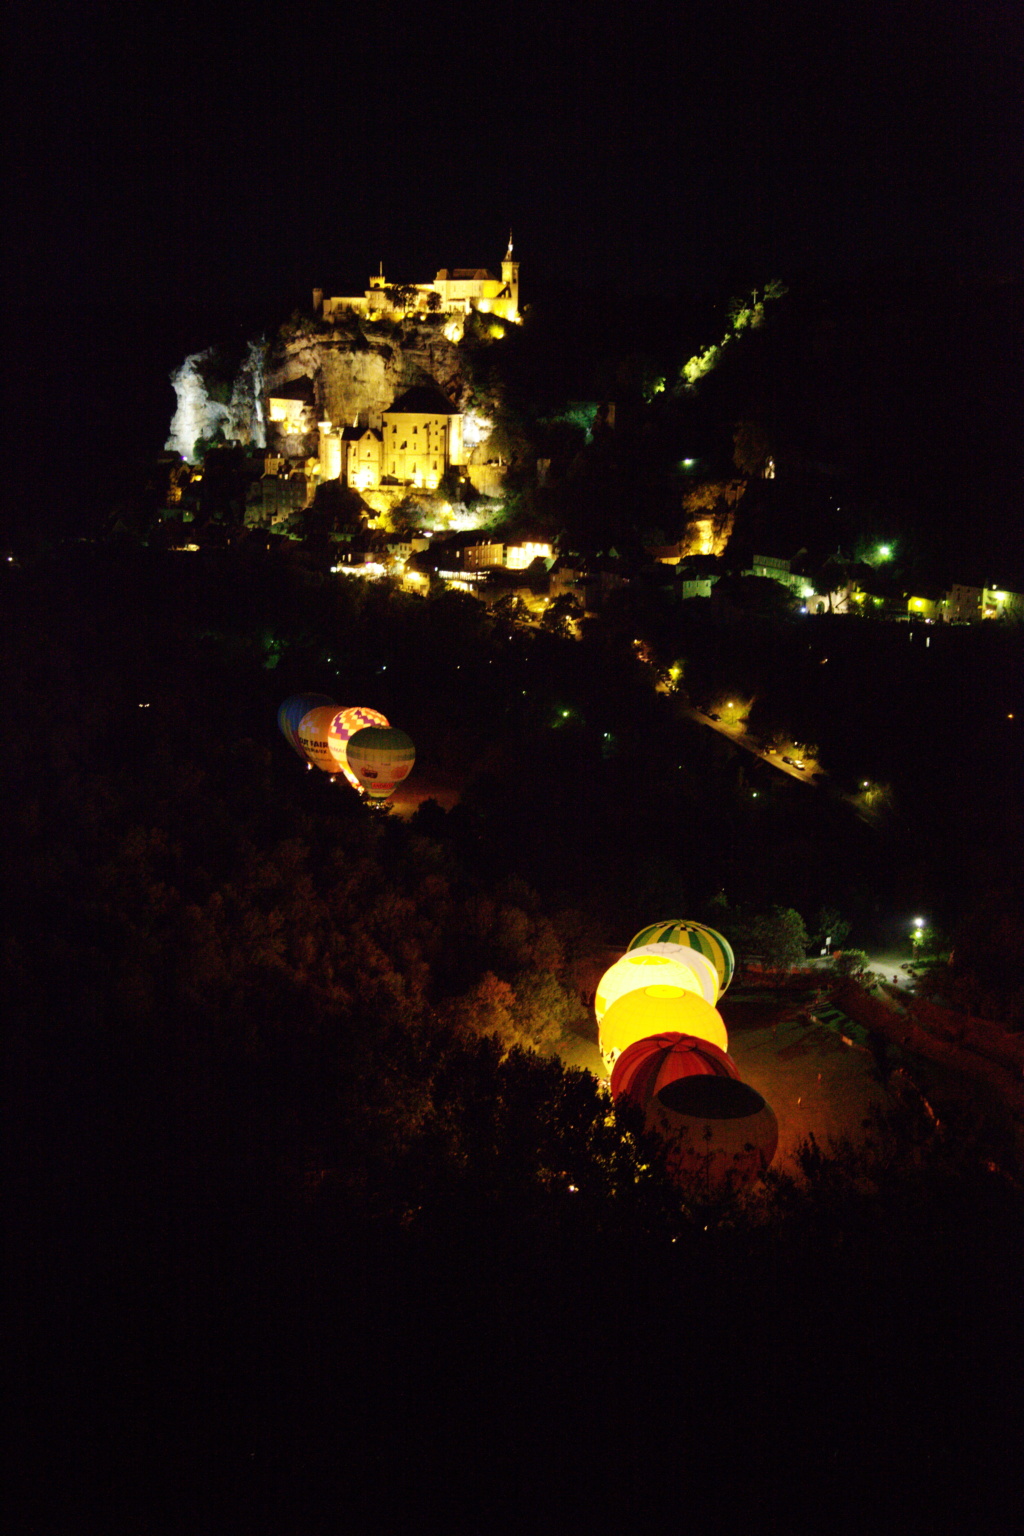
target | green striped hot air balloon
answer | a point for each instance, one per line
(706, 941)
(380, 757)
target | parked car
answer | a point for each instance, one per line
(794, 762)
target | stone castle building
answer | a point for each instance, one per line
(456, 290)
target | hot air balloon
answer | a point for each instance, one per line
(719, 1133)
(700, 965)
(642, 968)
(707, 941)
(380, 757)
(344, 726)
(292, 713)
(648, 1065)
(313, 734)
(657, 1010)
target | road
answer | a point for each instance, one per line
(739, 737)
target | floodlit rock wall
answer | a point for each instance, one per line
(357, 380)
(198, 416)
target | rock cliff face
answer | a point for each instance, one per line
(357, 379)
(207, 409)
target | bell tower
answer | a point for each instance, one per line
(510, 276)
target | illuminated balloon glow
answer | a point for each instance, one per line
(640, 968)
(294, 710)
(719, 1134)
(380, 758)
(649, 1065)
(344, 726)
(657, 1010)
(694, 961)
(313, 733)
(707, 941)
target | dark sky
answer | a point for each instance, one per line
(182, 168)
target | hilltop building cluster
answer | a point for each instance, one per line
(456, 290)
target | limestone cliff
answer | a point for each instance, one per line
(212, 406)
(357, 371)
(357, 376)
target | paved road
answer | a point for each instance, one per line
(739, 737)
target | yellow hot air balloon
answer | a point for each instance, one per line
(656, 1010)
(313, 733)
(638, 969)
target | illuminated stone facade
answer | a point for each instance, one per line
(285, 487)
(456, 290)
(510, 557)
(418, 441)
(289, 406)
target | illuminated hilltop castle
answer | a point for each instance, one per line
(455, 291)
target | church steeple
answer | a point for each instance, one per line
(510, 277)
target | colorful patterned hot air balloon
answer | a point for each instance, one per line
(292, 713)
(642, 968)
(719, 1134)
(658, 1010)
(707, 941)
(344, 726)
(648, 1065)
(314, 729)
(380, 758)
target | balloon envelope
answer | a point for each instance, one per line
(292, 713)
(640, 968)
(313, 733)
(699, 964)
(719, 1134)
(380, 758)
(648, 1065)
(343, 727)
(658, 1010)
(707, 941)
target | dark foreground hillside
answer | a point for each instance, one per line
(307, 1237)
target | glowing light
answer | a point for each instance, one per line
(476, 429)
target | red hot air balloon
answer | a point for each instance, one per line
(649, 1065)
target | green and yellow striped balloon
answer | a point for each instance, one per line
(706, 941)
(380, 757)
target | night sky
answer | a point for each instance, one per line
(184, 172)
